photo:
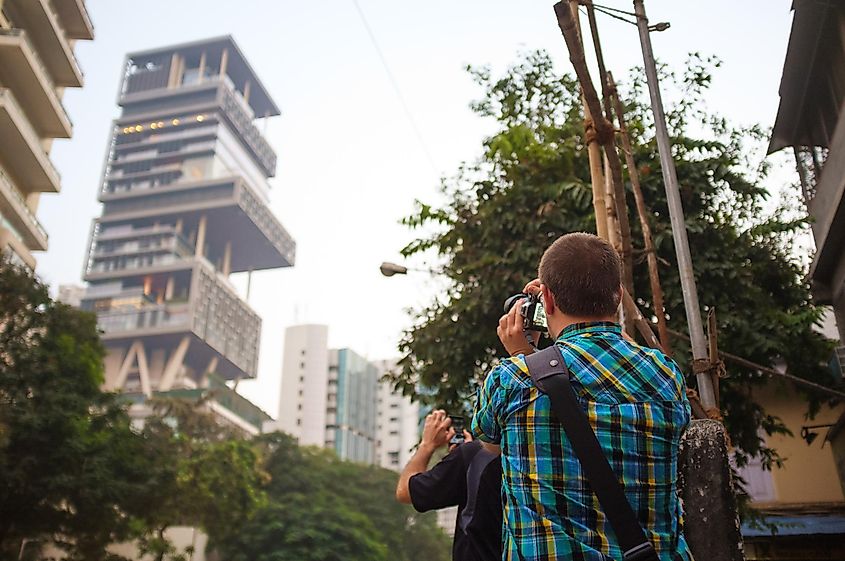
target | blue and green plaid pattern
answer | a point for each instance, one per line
(636, 403)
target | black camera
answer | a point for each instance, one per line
(458, 425)
(531, 309)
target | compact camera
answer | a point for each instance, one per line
(531, 309)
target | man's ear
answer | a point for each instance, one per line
(548, 299)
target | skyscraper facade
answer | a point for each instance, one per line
(185, 205)
(37, 63)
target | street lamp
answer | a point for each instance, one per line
(389, 269)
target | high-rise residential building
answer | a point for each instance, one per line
(397, 423)
(305, 375)
(185, 205)
(332, 398)
(351, 406)
(37, 63)
(71, 294)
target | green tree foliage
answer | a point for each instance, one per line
(201, 474)
(76, 474)
(532, 184)
(67, 455)
(323, 509)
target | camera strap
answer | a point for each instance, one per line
(550, 375)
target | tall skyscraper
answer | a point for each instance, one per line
(185, 194)
(37, 63)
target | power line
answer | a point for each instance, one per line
(396, 89)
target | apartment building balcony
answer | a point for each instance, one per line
(213, 314)
(50, 38)
(23, 72)
(20, 148)
(234, 212)
(13, 207)
(73, 16)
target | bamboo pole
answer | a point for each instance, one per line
(642, 212)
(602, 128)
(593, 151)
(613, 230)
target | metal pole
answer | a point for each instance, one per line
(676, 216)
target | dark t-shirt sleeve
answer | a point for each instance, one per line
(441, 486)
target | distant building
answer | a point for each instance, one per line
(397, 423)
(71, 294)
(351, 406)
(332, 398)
(37, 64)
(305, 375)
(185, 194)
(806, 497)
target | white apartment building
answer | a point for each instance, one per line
(333, 398)
(305, 375)
(397, 423)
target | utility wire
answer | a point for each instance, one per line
(396, 88)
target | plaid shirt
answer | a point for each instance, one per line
(636, 403)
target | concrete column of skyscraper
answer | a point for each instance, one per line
(185, 195)
(37, 63)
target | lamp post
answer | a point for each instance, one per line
(676, 215)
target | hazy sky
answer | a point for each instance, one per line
(350, 164)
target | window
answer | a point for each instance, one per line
(394, 433)
(300, 393)
(298, 422)
(394, 405)
(394, 419)
(302, 365)
(299, 407)
(302, 378)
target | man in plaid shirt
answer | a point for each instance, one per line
(634, 398)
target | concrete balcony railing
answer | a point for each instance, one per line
(155, 317)
(31, 80)
(20, 147)
(36, 237)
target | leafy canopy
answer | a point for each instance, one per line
(532, 184)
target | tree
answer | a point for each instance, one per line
(531, 185)
(321, 508)
(67, 454)
(201, 474)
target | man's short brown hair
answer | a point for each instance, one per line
(583, 273)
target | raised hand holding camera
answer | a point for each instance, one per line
(524, 320)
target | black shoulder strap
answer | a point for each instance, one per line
(477, 464)
(551, 376)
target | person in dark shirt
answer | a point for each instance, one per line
(469, 477)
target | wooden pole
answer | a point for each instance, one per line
(593, 151)
(603, 129)
(642, 212)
